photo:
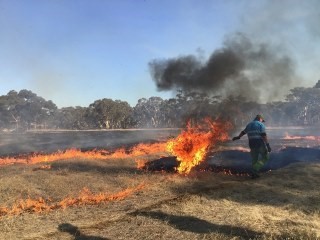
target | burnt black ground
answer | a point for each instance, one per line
(235, 161)
(239, 162)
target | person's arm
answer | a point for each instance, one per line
(239, 136)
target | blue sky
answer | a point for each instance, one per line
(74, 52)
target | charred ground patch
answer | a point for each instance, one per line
(239, 162)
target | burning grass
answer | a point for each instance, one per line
(85, 197)
(202, 205)
(105, 195)
(310, 138)
(190, 147)
(135, 151)
(193, 144)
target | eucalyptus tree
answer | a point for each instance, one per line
(148, 113)
(25, 110)
(307, 104)
(34, 110)
(109, 114)
(194, 106)
(170, 113)
(72, 118)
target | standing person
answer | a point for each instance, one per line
(258, 143)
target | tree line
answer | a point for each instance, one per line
(24, 110)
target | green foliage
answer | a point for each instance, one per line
(25, 110)
(109, 114)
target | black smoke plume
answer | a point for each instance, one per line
(241, 67)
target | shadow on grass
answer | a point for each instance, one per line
(196, 225)
(74, 231)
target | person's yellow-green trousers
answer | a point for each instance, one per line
(259, 157)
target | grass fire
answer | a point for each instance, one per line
(182, 120)
(192, 145)
(190, 148)
(202, 192)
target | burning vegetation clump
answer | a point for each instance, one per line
(193, 144)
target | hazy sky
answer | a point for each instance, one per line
(74, 52)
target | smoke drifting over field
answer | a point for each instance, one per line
(242, 67)
(274, 49)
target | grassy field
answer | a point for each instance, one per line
(282, 204)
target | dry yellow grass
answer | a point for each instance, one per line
(282, 204)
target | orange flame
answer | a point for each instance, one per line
(190, 148)
(140, 163)
(192, 145)
(86, 197)
(138, 150)
(312, 138)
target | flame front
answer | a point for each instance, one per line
(136, 151)
(193, 144)
(190, 148)
(86, 197)
(311, 138)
